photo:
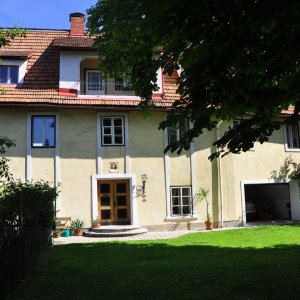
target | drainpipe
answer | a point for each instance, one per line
(220, 182)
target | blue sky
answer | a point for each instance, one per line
(52, 14)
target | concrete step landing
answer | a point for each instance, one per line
(115, 231)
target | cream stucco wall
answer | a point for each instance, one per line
(77, 154)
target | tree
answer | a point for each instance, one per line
(239, 59)
(5, 143)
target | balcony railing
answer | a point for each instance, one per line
(105, 87)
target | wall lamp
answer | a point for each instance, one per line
(144, 179)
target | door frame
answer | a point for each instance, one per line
(132, 193)
(257, 181)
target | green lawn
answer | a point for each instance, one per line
(256, 263)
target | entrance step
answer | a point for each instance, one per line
(115, 231)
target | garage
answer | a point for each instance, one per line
(270, 201)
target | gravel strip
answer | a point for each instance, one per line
(145, 236)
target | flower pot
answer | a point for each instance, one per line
(209, 225)
(66, 233)
(78, 232)
(96, 225)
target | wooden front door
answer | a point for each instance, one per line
(114, 201)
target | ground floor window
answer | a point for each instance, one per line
(181, 201)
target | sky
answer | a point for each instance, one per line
(48, 14)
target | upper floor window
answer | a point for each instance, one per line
(112, 131)
(43, 131)
(178, 131)
(293, 136)
(181, 201)
(123, 82)
(9, 74)
(95, 85)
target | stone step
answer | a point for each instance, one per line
(114, 233)
(114, 228)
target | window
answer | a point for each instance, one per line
(123, 82)
(95, 84)
(43, 131)
(112, 131)
(181, 201)
(178, 131)
(292, 136)
(9, 74)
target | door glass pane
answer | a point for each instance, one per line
(94, 81)
(121, 187)
(121, 200)
(122, 213)
(104, 188)
(105, 214)
(105, 201)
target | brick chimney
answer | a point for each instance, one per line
(77, 24)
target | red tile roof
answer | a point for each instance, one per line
(74, 42)
(41, 80)
(15, 54)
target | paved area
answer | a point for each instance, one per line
(145, 236)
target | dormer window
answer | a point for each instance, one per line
(9, 74)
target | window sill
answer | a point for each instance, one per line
(292, 149)
(181, 218)
(9, 85)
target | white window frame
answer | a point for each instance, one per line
(288, 135)
(43, 144)
(101, 82)
(20, 63)
(181, 205)
(8, 79)
(112, 130)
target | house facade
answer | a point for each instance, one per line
(85, 134)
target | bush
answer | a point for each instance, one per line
(27, 204)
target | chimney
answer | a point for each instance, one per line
(77, 24)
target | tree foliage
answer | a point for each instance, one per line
(5, 143)
(239, 59)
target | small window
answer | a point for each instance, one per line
(43, 131)
(112, 131)
(181, 201)
(292, 136)
(9, 74)
(178, 131)
(123, 82)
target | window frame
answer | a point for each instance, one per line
(123, 82)
(112, 134)
(288, 134)
(32, 131)
(102, 81)
(181, 205)
(178, 132)
(9, 66)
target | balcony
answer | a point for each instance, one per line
(110, 87)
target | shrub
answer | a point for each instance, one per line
(27, 204)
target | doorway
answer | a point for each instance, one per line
(113, 202)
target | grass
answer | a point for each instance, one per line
(256, 263)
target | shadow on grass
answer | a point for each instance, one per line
(142, 270)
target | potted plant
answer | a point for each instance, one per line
(96, 223)
(56, 233)
(76, 227)
(203, 193)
